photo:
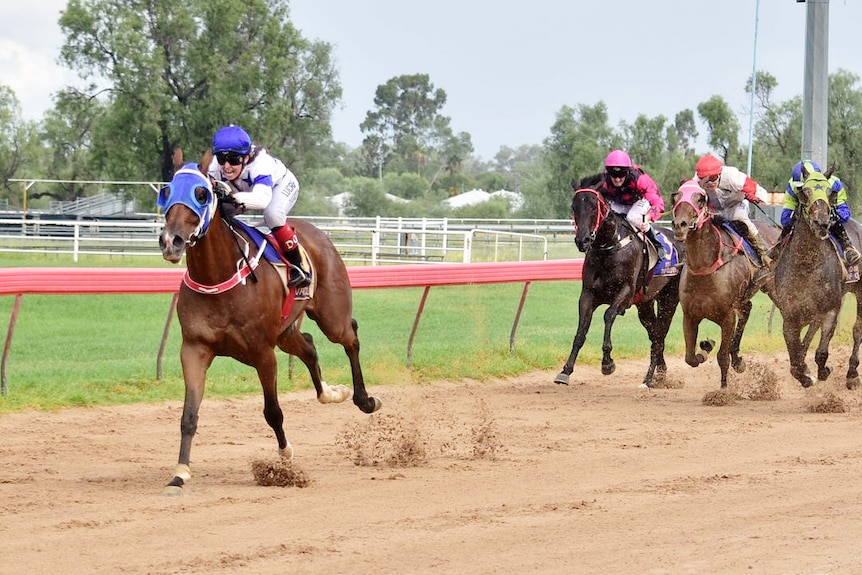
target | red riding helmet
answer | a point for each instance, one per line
(708, 166)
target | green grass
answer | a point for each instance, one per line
(102, 349)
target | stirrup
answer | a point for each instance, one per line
(297, 277)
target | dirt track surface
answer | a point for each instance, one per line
(511, 476)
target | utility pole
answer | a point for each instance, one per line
(815, 90)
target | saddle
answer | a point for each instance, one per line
(273, 255)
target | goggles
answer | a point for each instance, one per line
(618, 172)
(232, 158)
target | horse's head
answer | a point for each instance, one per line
(589, 211)
(689, 209)
(189, 205)
(815, 200)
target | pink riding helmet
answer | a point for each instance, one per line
(618, 159)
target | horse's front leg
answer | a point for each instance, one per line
(821, 355)
(736, 360)
(796, 352)
(728, 331)
(852, 381)
(267, 371)
(195, 359)
(608, 365)
(586, 308)
(689, 332)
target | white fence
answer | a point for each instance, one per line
(378, 241)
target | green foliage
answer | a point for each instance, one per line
(179, 71)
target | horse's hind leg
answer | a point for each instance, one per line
(302, 346)
(361, 398)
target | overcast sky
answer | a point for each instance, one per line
(508, 67)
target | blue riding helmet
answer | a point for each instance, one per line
(796, 176)
(232, 139)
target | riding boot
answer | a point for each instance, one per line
(659, 248)
(851, 254)
(760, 247)
(298, 275)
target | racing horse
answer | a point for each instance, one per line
(617, 273)
(811, 281)
(719, 277)
(233, 302)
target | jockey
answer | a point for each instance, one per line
(729, 190)
(631, 191)
(840, 208)
(259, 181)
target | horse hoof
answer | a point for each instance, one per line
(376, 404)
(823, 373)
(333, 393)
(608, 368)
(701, 357)
(806, 381)
(707, 345)
(562, 379)
(286, 453)
(853, 382)
(739, 365)
(660, 373)
(172, 491)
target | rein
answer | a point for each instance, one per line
(603, 210)
(245, 266)
(703, 216)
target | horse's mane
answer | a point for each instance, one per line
(587, 182)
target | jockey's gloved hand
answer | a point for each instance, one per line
(221, 189)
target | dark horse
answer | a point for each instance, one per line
(718, 280)
(810, 283)
(232, 303)
(617, 273)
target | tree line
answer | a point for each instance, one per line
(159, 75)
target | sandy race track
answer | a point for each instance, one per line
(511, 476)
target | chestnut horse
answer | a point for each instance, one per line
(232, 303)
(810, 283)
(718, 280)
(617, 273)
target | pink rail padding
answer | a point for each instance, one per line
(65, 280)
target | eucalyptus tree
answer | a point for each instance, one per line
(12, 134)
(723, 128)
(580, 139)
(172, 72)
(405, 125)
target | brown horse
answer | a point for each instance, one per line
(617, 273)
(232, 303)
(718, 279)
(810, 283)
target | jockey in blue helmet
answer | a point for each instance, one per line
(260, 181)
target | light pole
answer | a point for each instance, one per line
(753, 87)
(815, 89)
